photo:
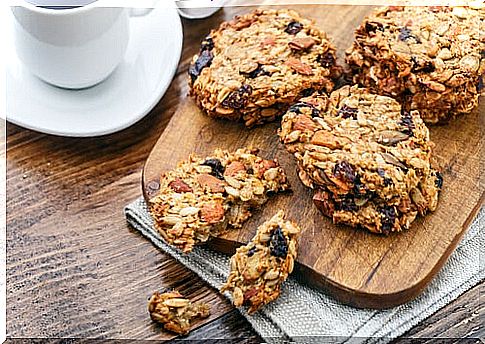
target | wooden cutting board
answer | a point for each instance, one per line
(358, 268)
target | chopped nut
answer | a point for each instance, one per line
(213, 183)
(212, 212)
(179, 186)
(299, 66)
(302, 43)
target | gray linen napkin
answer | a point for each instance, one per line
(303, 314)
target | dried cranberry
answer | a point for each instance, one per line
(296, 108)
(346, 111)
(407, 123)
(373, 27)
(294, 27)
(344, 171)
(216, 166)
(239, 98)
(405, 33)
(207, 44)
(327, 60)
(388, 217)
(204, 60)
(439, 180)
(278, 244)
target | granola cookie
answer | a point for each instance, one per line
(430, 58)
(259, 268)
(253, 67)
(367, 158)
(175, 312)
(202, 197)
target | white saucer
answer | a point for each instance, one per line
(134, 88)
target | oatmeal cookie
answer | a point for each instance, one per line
(253, 67)
(429, 58)
(367, 159)
(175, 312)
(259, 268)
(202, 197)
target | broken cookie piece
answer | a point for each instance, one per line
(175, 312)
(202, 197)
(259, 268)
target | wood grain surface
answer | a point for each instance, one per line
(75, 269)
(355, 266)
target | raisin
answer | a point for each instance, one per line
(407, 123)
(406, 33)
(216, 166)
(294, 27)
(257, 72)
(419, 66)
(347, 111)
(204, 60)
(439, 180)
(296, 108)
(346, 203)
(388, 217)
(345, 172)
(278, 244)
(307, 92)
(239, 98)
(382, 173)
(251, 251)
(373, 27)
(359, 188)
(207, 44)
(327, 60)
(480, 85)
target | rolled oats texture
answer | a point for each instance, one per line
(203, 197)
(255, 66)
(430, 58)
(367, 159)
(259, 268)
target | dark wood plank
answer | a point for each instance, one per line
(74, 267)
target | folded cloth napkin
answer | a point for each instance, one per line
(303, 314)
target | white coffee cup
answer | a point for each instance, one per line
(71, 48)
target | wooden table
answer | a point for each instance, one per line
(76, 269)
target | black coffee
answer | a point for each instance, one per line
(60, 4)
